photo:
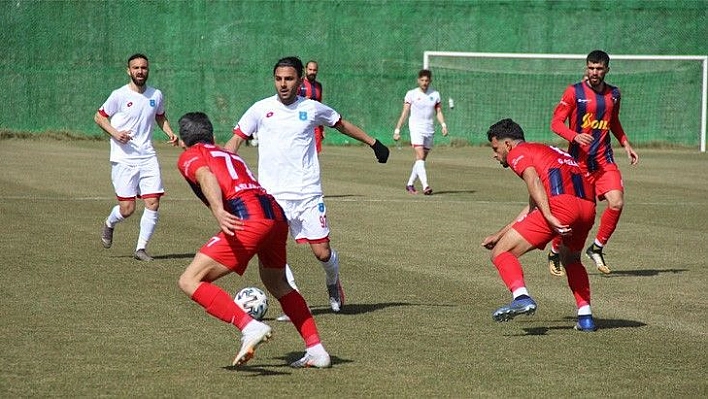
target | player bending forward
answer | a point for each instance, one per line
(251, 223)
(561, 203)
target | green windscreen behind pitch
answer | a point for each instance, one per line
(661, 99)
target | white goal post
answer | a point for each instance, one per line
(702, 59)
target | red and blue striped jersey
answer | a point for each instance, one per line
(311, 90)
(591, 112)
(240, 191)
(558, 171)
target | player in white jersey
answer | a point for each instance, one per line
(423, 103)
(128, 116)
(288, 165)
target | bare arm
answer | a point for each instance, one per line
(164, 125)
(212, 192)
(537, 196)
(105, 124)
(490, 241)
(618, 131)
(234, 143)
(401, 120)
(347, 128)
(441, 119)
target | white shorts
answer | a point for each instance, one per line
(424, 140)
(139, 180)
(307, 219)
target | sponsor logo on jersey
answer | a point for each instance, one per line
(303, 115)
(130, 104)
(515, 161)
(589, 122)
(583, 100)
(269, 114)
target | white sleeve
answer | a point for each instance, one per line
(325, 115)
(408, 99)
(248, 124)
(160, 103)
(112, 104)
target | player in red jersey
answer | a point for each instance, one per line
(561, 203)
(592, 109)
(251, 223)
(312, 89)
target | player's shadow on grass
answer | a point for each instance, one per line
(642, 272)
(294, 356)
(602, 324)
(352, 309)
(255, 368)
(443, 192)
(174, 256)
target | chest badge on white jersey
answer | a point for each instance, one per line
(303, 115)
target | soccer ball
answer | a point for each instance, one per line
(253, 301)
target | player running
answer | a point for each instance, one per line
(591, 107)
(288, 165)
(423, 103)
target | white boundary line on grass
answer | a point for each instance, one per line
(334, 198)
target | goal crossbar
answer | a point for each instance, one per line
(701, 58)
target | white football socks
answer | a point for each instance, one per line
(114, 217)
(147, 227)
(291, 278)
(331, 267)
(422, 174)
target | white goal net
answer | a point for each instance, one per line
(663, 97)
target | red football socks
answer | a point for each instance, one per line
(295, 307)
(219, 304)
(579, 283)
(608, 224)
(510, 270)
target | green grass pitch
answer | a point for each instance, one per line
(80, 321)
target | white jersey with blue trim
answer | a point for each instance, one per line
(288, 165)
(135, 112)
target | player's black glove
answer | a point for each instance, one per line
(381, 151)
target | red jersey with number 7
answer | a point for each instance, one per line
(594, 113)
(241, 192)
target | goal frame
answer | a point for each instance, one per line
(702, 58)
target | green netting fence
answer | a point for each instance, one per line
(61, 59)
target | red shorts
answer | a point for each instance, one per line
(605, 180)
(263, 237)
(577, 213)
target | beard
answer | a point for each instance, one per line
(139, 81)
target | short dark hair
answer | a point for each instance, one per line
(195, 127)
(425, 73)
(598, 56)
(505, 129)
(293, 62)
(136, 56)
